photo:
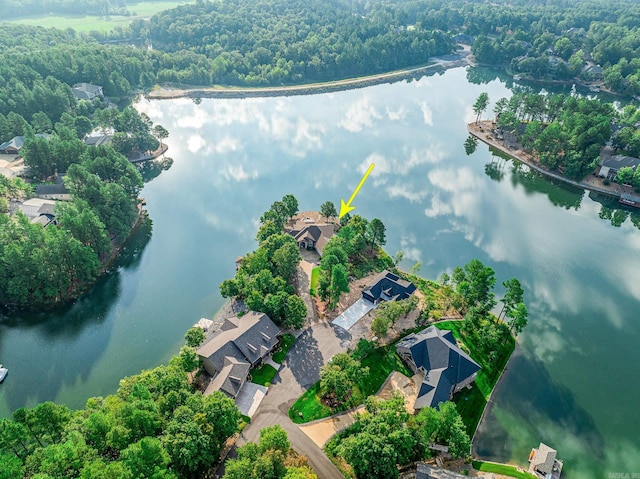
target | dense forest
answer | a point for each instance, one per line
(564, 132)
(53, 264)
(23, 8)
(155, 426)
(269, 43)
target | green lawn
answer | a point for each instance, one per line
(263, 375)
(315, 276)
(286, 341)
(86, 23)
(381, 362)
(310, 406)
(503, 469)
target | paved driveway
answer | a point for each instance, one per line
(250, 397)
(353, 314)
(301, 368)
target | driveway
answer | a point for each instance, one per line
(353, 314)
(301, 368)
(250, 397)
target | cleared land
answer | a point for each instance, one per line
(87, 23)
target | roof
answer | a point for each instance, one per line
(37, 206)
(231, 377)
(97, 140)
(318, 233)
(389, 286)
(543, 458)
(52, 188)
(444, 364)
(425, 471)
(246, 339)
(16, 143)
(620, 161)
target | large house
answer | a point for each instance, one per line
(612, 165)
(53, 191)
(87, 91)
(310, 234)
(388, 287)
(444, 367)
(543, 462)
(239, 345)
(13, 146)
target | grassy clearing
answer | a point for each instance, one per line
(286, 341)
(503, 469)
(86, 23)
(263, 375)
(471, 403)
(315, 277)
(381, 362)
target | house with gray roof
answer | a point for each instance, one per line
(240, 345)
(445, 368)
(387, 286)
(53, 191)
(611, 165)
(311, 235)
(13, 146)
(543, 462)
(87, 91)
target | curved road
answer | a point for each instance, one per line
(314, 347)
(301, 369)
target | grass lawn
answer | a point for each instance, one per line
(472, 402)
(286, 341)
(310, 406)
(315, 276)
(86, 23)
(380, 361)
(263, 375)
(503, 469)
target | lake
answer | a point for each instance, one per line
(571, 382)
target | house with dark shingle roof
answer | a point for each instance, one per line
(388, 287)
(311, 235)
(444, 367)
(611, 166)
(239, 345)
(87, 91)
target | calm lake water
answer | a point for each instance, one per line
(572, 382)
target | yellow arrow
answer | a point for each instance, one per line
(346, 207)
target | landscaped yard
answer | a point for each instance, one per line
(471, 403)
(86, 23)
(315, 276)
(263, 375)
(286, 341)
(381, 362)
(503, 469)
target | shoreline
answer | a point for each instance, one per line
(436, 65)
(591, 182)
(489, 404)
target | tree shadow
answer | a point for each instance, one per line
(305, 359)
